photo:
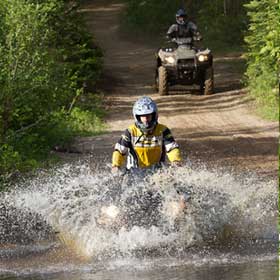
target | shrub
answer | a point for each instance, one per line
(263, 55)
(46, 57)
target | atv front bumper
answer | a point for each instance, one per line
(186, 72)
(113, 218)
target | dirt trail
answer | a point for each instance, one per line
(219, 129)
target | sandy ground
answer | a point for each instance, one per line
(218, 130)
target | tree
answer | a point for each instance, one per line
(29, 77)
(45, 58)
(263, 40)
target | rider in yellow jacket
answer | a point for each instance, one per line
(146, 142)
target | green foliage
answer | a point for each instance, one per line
(85, 122)
(26, 150)
(263, 55)
(152, 16)
(9, 158)
(220, 28)
(46, 58)
(27, 68)
(76, 47)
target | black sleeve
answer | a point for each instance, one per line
(124, 142)
(167, 137)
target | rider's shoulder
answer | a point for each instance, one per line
(191, 24)
(161, 127)
(173, 26)
(133, 129)
(131, 126)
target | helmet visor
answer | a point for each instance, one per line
(181, 19)
(147, 121)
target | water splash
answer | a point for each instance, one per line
(222, 209)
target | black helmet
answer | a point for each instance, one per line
(181, 16)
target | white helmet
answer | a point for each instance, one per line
(144, 106)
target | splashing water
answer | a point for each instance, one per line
(221, 209)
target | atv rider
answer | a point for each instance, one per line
(183, 28)
(146, 142)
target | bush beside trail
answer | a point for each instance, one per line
(263, 55)
(49, 65)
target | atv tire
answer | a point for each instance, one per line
(208, 87)
(156, 82)
(162, 81)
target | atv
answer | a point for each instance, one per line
(181, 63)
(141, 206)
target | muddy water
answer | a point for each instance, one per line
(248, 271)
(227, 232)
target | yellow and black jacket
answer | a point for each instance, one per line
(144, 150)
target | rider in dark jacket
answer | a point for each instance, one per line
(182, 28)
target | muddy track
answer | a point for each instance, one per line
(219, 130)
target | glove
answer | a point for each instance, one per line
(116, 170)
(176, 163)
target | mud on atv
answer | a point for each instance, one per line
(182, 63)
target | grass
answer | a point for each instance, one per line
(267, 112)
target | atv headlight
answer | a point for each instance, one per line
(169, 59)
(168, 49)
(111, 211)
(174, 209)
(202, 58)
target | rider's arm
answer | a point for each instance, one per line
(174, 155)
(192, 26)
(172, 31)
(194, 30)
(117, 159)
(121, 149)
(171, 146)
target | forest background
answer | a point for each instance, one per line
(49, 66)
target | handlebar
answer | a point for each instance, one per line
(186, 40)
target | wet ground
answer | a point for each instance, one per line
(228, 230)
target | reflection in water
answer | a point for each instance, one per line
(249, 271)
(228, 230)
